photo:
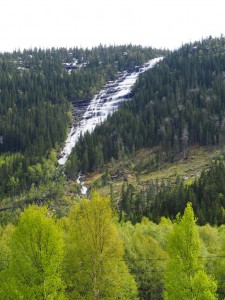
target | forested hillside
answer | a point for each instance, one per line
(168, 198)
(143, 240)
(37, 85)
(158, 238)
(37, 88)
(180, 102)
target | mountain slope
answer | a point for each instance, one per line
(178, 105)
(180, 102)
(37, 91)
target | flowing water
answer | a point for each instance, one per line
(104, 103)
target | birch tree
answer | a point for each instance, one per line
(94, 254)
(185, 277)
(37, 254)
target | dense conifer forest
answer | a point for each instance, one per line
(176, 104)
(37, 88)
(166, 198)
(160, 240)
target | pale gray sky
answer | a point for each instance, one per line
(87, 23)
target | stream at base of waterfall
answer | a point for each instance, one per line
(83, 187)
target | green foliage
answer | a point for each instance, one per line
(94, 266)
(217, 265)
(37, 254)
(37, 85)
(38, 89)
(145, 258)
(155, 199)
(42, 182)
(180, 102)
(185, 277)
(5, 249)
(109, 261)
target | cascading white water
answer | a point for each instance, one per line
(104, 103)
(83, 187)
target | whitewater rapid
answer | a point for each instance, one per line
(104, 103)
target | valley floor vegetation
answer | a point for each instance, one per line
(90, 255)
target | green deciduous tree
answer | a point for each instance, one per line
(218, 264)
(185, 278)
(37, 254)
(145, 257)
(5, 259)
(94, 254)
(5, 250)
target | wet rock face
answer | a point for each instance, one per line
(93, 112)
(79, 108)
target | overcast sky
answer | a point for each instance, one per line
(87, 23)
